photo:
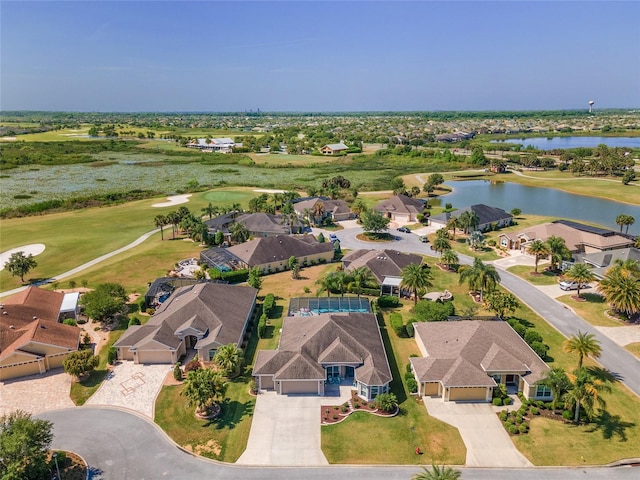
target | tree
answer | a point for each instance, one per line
(475, 240)
(502, 303)
(160, 221)
(325, 284)
(340, 279)
(452, 224)
(24, 445)
(415, 277)
(228, 358)
(477, 156)
(558, 251)
(209, 210)
(585, 392)
(449, 258)
(480, 276)
(386, 402)
(625, 220)
(628, 177)
(80, 362)
(437, 473)
(374, 222)
(580, 274)
(620, 220)
(584, 344)
(254, 280)
(435, 179)
(239, 232)
(516, 212)
(361, 277)
(440, 244)
(621, 289)
(539, 250)
(358, 206)
(294, 266)
(203, 387)
(20, 264)
(557, 381)
(107, 300)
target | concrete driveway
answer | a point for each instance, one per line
(487, 442)
(132, 386)
(36, 393)
(285, 429)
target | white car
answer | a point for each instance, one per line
(565, 285)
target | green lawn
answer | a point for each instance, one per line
(224, 438)
(634, 348)
(592, 310)
(525, 272)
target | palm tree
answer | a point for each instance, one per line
(629, 267)
(449, 258)
(620, 220)
(440, 244)
(539, 250)
(580, 274)
(209, 210)
(558, 251)
(361, 277)
(160, 222)
(557, 381)
(480, 276)
(228, 358)
(621, 290)
(465, 221)
(452, 224)
(203, 387)
(437, 473)
(340, 280)
(239, 232)
(415, 277)
(474, 220)
(325, 284)
(584, 344)
(318, 212)
(585, 392)
(173, 219)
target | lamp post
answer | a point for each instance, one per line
(55, 459)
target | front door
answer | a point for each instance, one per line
(510, 379)
(333, 374)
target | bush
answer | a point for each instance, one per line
(395, 319)
(388, 301)
(523, 428)
(503, 415)
(262, 325)
(506, 401)
(134, 321)
(412, 385)
(215, 274)
(410, 329)
(112, 355)
(519, 419)
(192, 366)
(386, 402)
(531, 336)
(513, 430)
(540, 348)
(142, 304)
(519, 328)
(428, 311)
(497, 402)
(567, 415)
(268, 304)
(177, 372)
(541, 404)
(235, 276)
(508, 424)
(70, 321)
(534, 411)
(344, 408)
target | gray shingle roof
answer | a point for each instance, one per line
(401, 204)
(382, 263)
(260, 251)
(486, 214)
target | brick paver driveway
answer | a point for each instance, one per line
(36, 393)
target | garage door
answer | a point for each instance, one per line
(300, 386)
(431, 389)
(21, 370)
(478, 394)
(154, 356)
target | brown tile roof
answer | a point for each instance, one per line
(260, 251)
(474, 346)
(573, 237)
(327, 338)
(400, 204)
(261, 222)
(336, 207)
(382, 263)
(32, 302)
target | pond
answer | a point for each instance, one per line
(546, 143)
(539, 201)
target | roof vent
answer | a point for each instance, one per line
(12, 327)
(35, 317)
(42, 326)
(5, 313)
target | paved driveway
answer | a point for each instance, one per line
(285, 430)
(36, 393)
(487, 442)
(132, 386)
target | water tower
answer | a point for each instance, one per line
(591, 102)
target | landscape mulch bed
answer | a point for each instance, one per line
(74, 467)
(331, 414)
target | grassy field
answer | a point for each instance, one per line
(282, 159)
(634, 348)
(525, 272)
(592, 310)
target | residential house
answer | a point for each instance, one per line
(488, 217)
(401, 208)
(334, 148)
(271, 254)
(221, 223)
(262, 224)
(32, 340)
(315, 352)
(465, 360)
(203, 317)
(578, 237)
(321, 208)
(600, 262)
(220, 145)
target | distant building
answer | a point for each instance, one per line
(401, 207)
(337, 210)
(455, 137)
(220, 145)
(334, 148)
(487, 216)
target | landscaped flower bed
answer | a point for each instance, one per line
(330, 414)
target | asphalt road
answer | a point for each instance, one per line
(119, 445)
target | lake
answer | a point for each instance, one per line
(544, 143)
(539, 201)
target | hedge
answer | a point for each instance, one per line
(234, 276)
(397, 324)
(268, 304)
(262, 325)
(388, 301)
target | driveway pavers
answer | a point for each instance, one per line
(487, 442)
(36, 393)
(132, 386)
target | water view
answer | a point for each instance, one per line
(545, 143)
(539, 201)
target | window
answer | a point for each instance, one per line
(543, 391)
(212, 353)
(374, 391)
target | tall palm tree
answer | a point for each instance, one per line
(437, 473)
(452, 224)
(539, 250)
(585, 392)
(361, 277)
(480, 276)
(584, 344)
(580, 274)
(203, 387)
(621, 290)
(440, 244)
(557, 381)
(160, 222)
(629, 267)
(449, 258)
(340, 280)
(173, 218)
(415, 277)
(325, 284)
(318, 211)
(474, 220)
(558, 251)
(209, 210)
(465, 221)
(239, 232)
(228, 358)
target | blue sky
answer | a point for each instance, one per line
(318, 56)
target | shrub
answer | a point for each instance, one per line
(410, 329)
(522, 411)
(344, 408)
(235, 276)
(523, 428)
(428, 311)
(151, 311)
(540, 348)
(192, 366)
(531, 336)
(388, 301)
(177, 372)
(541, 404)
(112, 355)
(268, 304)
(412, 385)
(497, 402)
(503, 415)
(567, 415)
(70, 321)
(262, 327)
(519, 328)
(142, 304)
(134, 321)
(385, 402)
(534, 411)
(519, 419)
(215, 274)
(86, 339)
(397, 324)
(506, 401)
(513, 430)
(508, 424)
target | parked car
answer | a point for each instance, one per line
(332, 237)
(566, 285)
(424, 238)
(404, 230)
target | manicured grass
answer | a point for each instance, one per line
(634, 348)
(460, 245)
(525, 272)
(282, 159)
(223, 438)
(592, 310)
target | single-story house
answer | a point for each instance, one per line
(578, 237)
(333, 148)
(221, 223)
(271, 254)
(337, 210)
(323, 350)
(262, 224)
(454, 137)
(603, 261)
(464, 360)
(487, 217)
(203, 317)
(31, 338)
(221, 145)
(401, 208)
(162, 288)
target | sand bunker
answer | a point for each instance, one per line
(267, 190)
(174, 200)
(33, 249)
